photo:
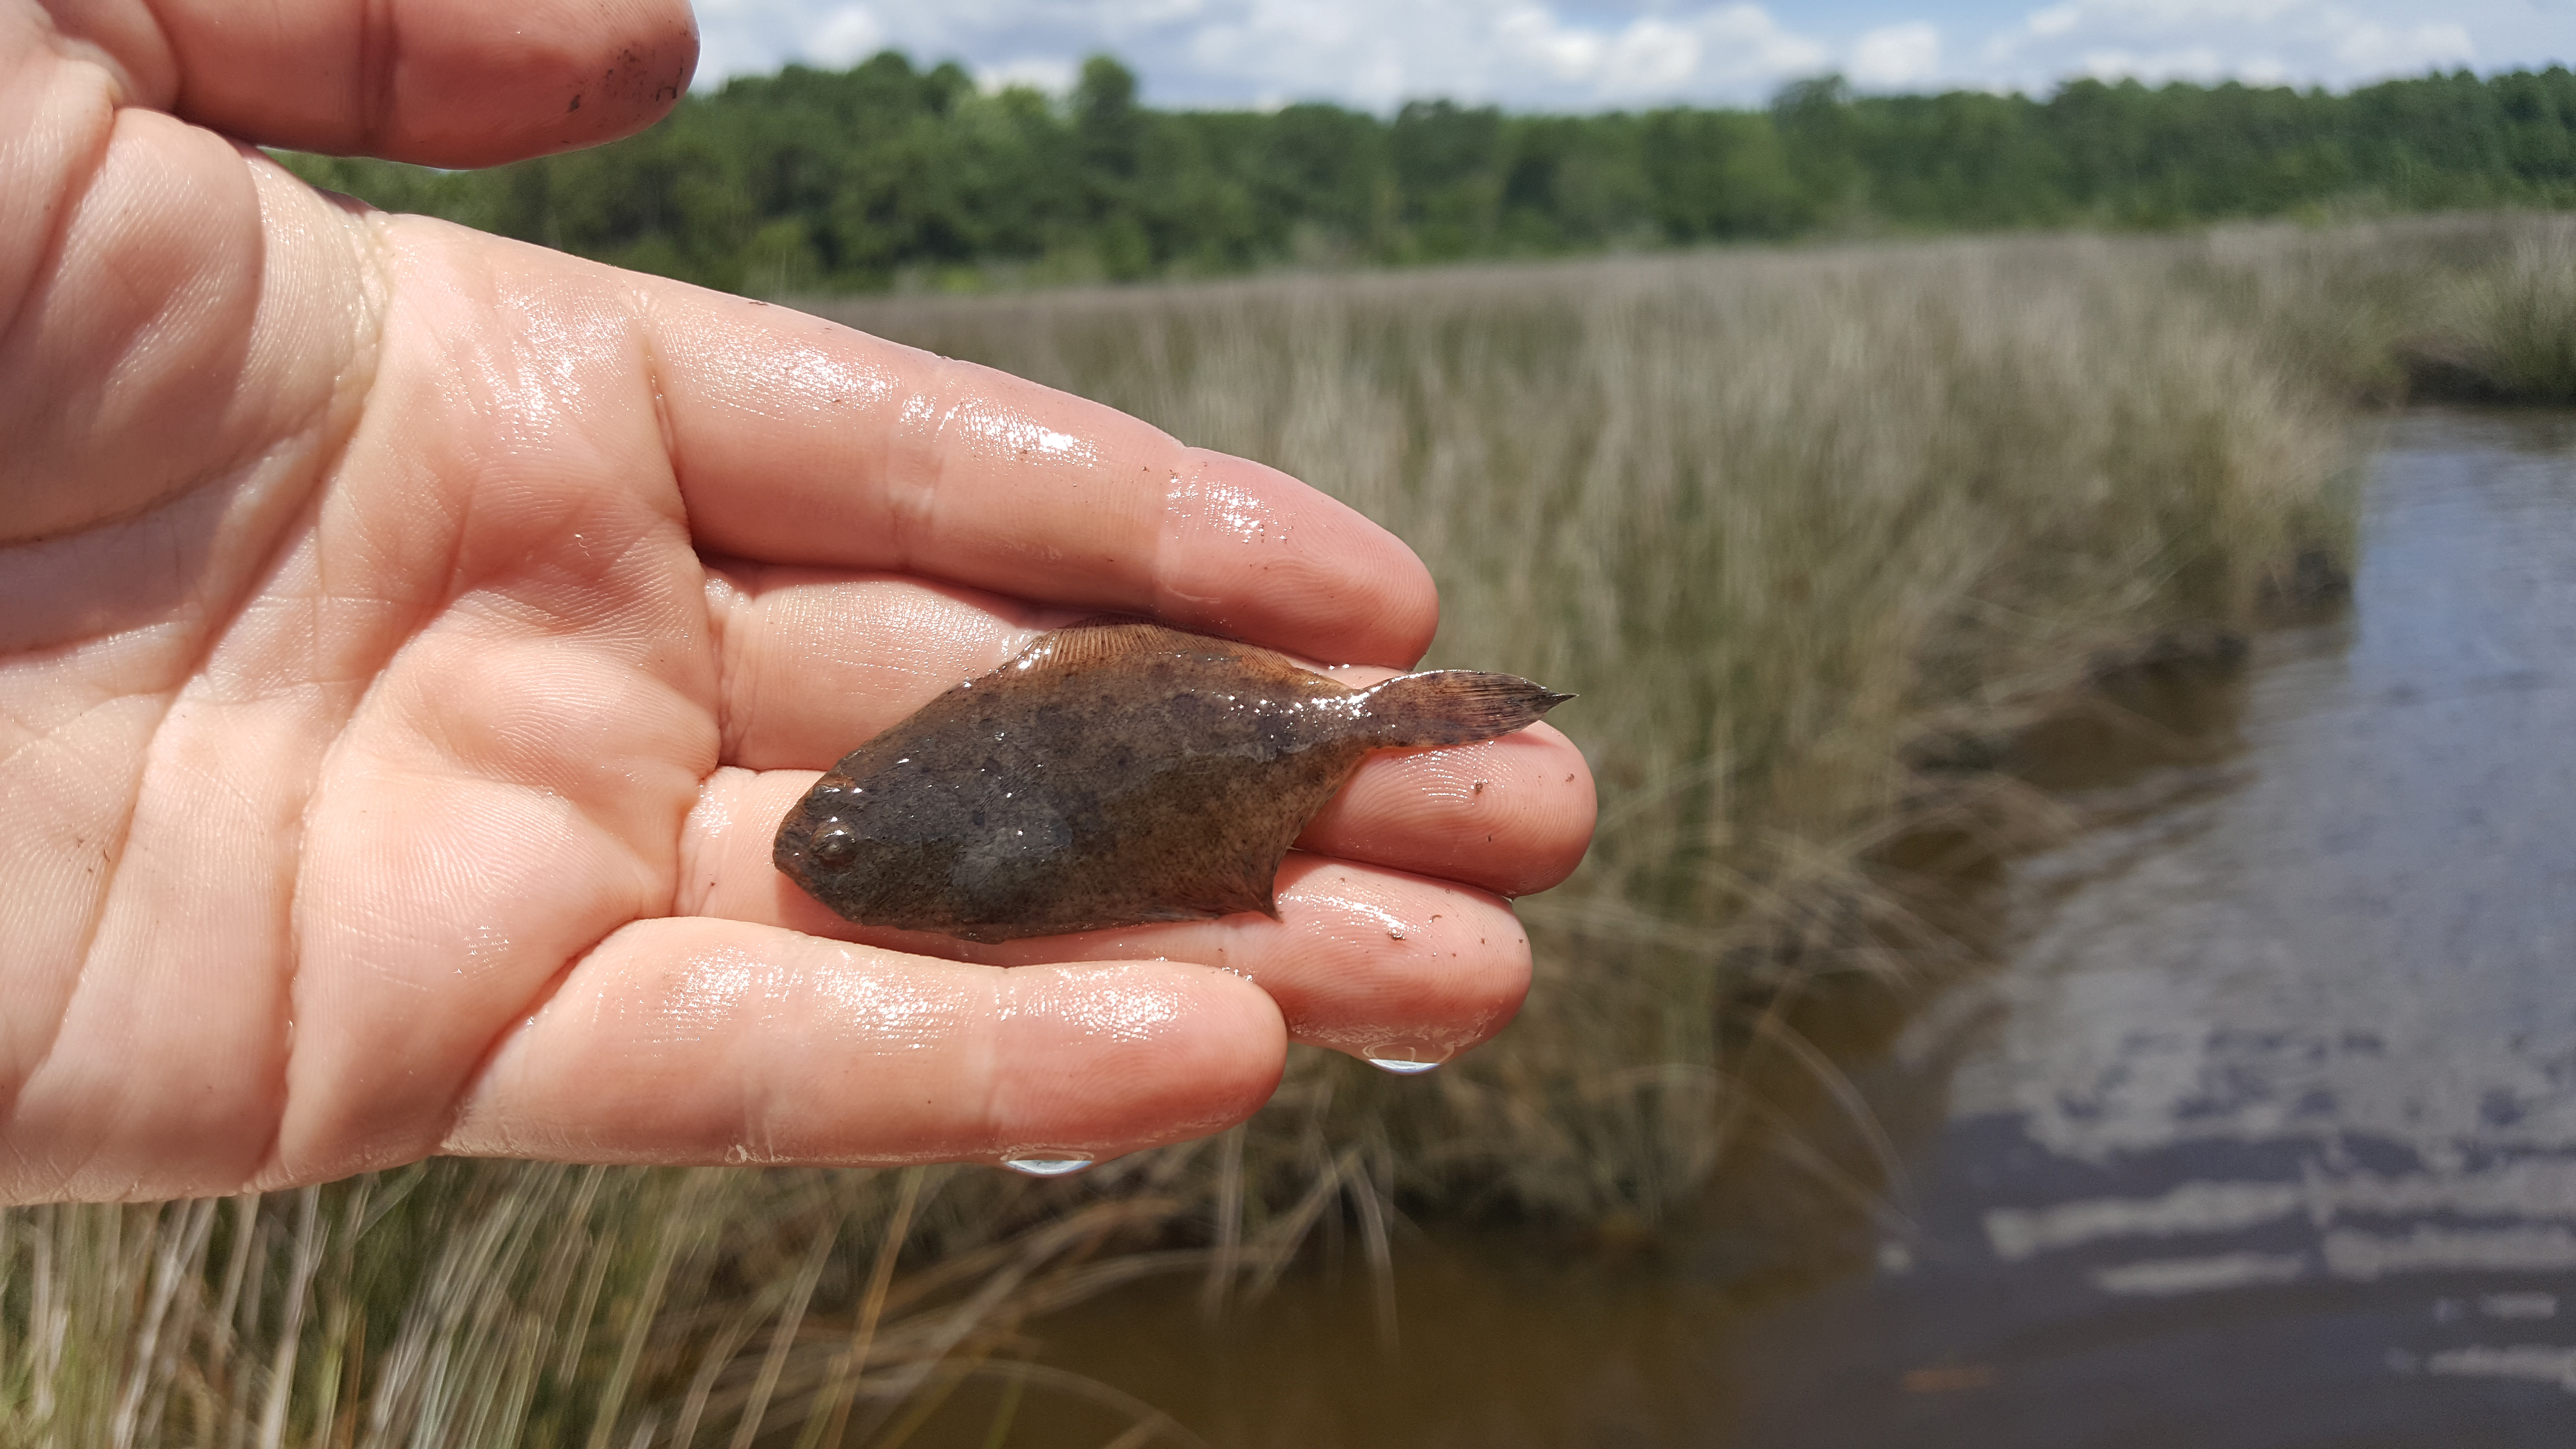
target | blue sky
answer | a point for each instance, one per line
(1597, 54)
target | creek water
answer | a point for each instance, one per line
(2261, 1131)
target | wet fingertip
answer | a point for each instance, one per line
(1245, 1044)
(1399, 631)
(1155, 1052)
(1365, 596)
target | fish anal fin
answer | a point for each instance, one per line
(1230, 882)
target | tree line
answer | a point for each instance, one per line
(814, 181)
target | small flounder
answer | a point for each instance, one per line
(1114, 773)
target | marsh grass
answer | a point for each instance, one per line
(2470, 308)
(456, 1304)
(2514, 326)
(1788, 524)
(1814, 535)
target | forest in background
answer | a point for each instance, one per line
(887, 175)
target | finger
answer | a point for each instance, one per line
(1362, 959)
(1370, 962)
(173, 318)
(697, 1041)
(1512, 815)
(813, 662)
(441, 82)
(816, 662)
(800, 441)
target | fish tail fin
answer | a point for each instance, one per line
(1453, 707)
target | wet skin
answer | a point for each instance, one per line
(410, 641)
(1116, 773)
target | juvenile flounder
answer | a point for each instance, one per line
(1114, 773)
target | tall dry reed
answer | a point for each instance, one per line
(471, 1304)
(2514, 326)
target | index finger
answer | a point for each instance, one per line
(798, 440)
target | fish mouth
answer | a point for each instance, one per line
(791, 850)
(787, 853)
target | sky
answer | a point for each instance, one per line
(1581, 55)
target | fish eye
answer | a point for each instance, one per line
(836, 846)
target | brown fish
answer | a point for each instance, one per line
(1114, 773)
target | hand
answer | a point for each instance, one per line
(410, 640)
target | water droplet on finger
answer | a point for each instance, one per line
(1401, 1066)
(1047, 1164)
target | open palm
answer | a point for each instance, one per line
(409, 641)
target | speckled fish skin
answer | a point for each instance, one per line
(1113, 774)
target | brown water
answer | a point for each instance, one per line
(2262, 1134)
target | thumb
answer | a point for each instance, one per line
(440, 82)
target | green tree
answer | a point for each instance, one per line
(846, 179)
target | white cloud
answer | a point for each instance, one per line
(1051, 74)
(1589, 54)
(845, 36)
(2371, 47)
(2260, 41)
(1649, 58)
(1656, 58)
(2193, 63)
(1373, 53)
(1536, 35)
(2055, 20)
(1752, 45)
(1382, 52)
(1896, 57)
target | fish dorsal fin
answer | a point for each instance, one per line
(1111, 639)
